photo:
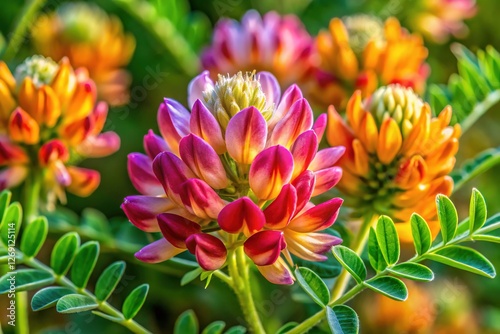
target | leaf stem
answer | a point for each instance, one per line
(239, 272)
(103, 306)
(27, 18)
(358, 245)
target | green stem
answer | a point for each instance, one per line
(31, 193)
(103, 306)
(239, 273)
(27, 19)
(22, 323)
(358, 245)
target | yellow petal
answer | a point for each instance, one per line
(389, 141)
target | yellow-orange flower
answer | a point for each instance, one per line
(362, 53)
(397, 155)
(89, 38)
(49, 120)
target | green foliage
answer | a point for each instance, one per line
(375, 255)
(413, 271)
(464, 258)
(108, 280)
(25, 279)
(447, 216)
(472, 91)
(476, 166)
(422, 238)
(34, 236)
(342, 319)
(215, 327)
(48, 297)
(351, 262)
(74, 303)
(477, 211)
(84, 263)
(186, 323)
(11, 221)
(313, 285)
(388, 240)
(134, 301)
(389, 286)
(64, 253)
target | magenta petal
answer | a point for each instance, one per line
(210, 252)
(271, 89)
(12, 176)
(282, 209)
(141, 174)
(246, 135)
(197, 86)
(288, 98)
(142, 211)
(327, 158)
(204, 125)
(277, 273)
(242, 215)
(99, 146)
(154, 144)
(173, 121)
(304, 184)
(158, 251)
(298, 120)
(203, 161)
(171, 171)
(318, 217)
(303, 151)
(320, 125)
(326, 179)
(310, 246)
(201, 200)
(177, 229)
(271, 169)
(264, 247)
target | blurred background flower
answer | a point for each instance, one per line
(92, 39)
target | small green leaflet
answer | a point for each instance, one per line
(414, 271)
(342, 320)
(389, 286)
(375, 256)
(313, 285)
(134, 301)
(447, 216)
(108, 280)
(351, 262)
(25, 279)
(388, 239)
(477, 211)
(64, 252)
(75, 303)
(48, 297)
(422, 237)
(186, 323)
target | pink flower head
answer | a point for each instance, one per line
(272, 43)
(236, 169)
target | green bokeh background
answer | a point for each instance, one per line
(167, 299)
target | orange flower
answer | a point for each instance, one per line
(397, 155)
(360, 52)
(89, 38)
(49, 118)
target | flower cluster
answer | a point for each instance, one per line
(237, 171)
(397, 155)
(362, 53)
(272, 43)
(438, 19)
(49, 119)
(90, 39)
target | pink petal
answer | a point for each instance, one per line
(83, 181)
(271, 169)
(12, 176)
(271, 88)
(201, 200)
(210, 252)
(327, 158)
(320, 125)
(61, 173)
(140, 171)
(246, 135)
(310, 246)
(299, 119)
(277, 273)
(242, 215)
(318, 217)
(264, 247)
(288, 98)
(99, 117)
(326, 179)
(282, 209)
(304, 184)
(142, 211)
(171, 171)
(204, 125)
(177, 229)
(173, 121)
(158, 251)
(154, 144)
(99, 146)
(203, 161)
(303, 151)
(197, 86)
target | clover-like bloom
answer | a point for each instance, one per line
(439, 19)
(362, 53)
(397, 155)
(272, 43)
(90, 39)
(238, 170)
(49, 120)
